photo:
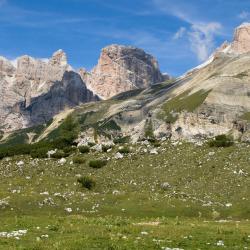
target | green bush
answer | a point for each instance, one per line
(99, 163)
(124, 150)
(15, 150)
(69, 150)
(91, 144)
(84, 149)
(58, 154)
(87, 182)
(149, 131)
(39, 153)
(121, 140)
(221, 141)
(156, 144)
(79, 160)
(105, 148)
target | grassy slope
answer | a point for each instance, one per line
(129, 192)
(183, 102)
(246, 116)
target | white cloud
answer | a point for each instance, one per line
(201, 38)
(180, 33)
(200, 34)
(244, 15)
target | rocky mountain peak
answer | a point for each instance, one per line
(6, 66)
(122, 68)
(241, 41)
(59, 58)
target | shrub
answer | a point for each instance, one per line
(39, 153)
(84, 149)
(91, 144)
(79, 160)
(99, 163)
(221, 141)
(69, 150)
(87, 182)
(58, 154)
(121, 140)
(149, 131)
(156, 144)
(105, 148)
(124, 150)
(151, 140)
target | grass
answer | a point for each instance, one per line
(21, 136)
(126, 95)
(207, 202)
(242, 75)
(149, 131)
(246, 116)
(183, 102)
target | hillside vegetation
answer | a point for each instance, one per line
(175, 195)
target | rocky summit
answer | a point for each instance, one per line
(241, 41)
(121, 69)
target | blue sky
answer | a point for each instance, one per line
(179, 33)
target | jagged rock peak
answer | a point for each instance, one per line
(59, 58)
(241, 41)
(122, 68)
(6, 66)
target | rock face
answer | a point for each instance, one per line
(35, 90)
(241, 43)
(121, 69)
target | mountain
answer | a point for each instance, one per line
(210, 100)
(121, 69)
(33, 91)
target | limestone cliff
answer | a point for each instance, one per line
(35, 90)
(120, 69)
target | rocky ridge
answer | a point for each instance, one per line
(35, 90)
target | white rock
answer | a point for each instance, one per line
(62, 161)
(165, 185)
(51, 152)
(153, 151)
(97, 147)
(20, 163)
(220, 243)
(118, 156)
(68, 209)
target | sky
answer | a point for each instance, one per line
(181, 34)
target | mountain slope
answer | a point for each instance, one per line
(209, 100)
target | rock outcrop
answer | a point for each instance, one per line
(121, 69)
(35, 90)
(241, 42)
